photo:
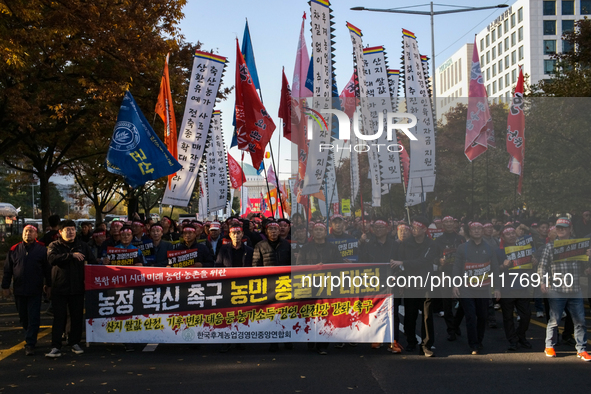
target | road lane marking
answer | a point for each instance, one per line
(8, 352)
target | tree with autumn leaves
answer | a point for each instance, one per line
(65, 67)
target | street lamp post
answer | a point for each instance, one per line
(431, 13)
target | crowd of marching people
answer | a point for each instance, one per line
(52, 264)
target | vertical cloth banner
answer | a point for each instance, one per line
(376, 78)
(206, 78)
(349, 106)
(374, 165)
(418, 103)
(516, 132)
(479, 124)
(254, 126)
(237, 177)
(165, 109)
(317, 161)
(425, 184)
(394, 81)
(135, 152)
(217, 169)
(203, 207)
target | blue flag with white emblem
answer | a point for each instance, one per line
(136, 153)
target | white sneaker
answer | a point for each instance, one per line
(540, 314)
(77, 349)
(55, 352)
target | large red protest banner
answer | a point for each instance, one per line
(226, 305)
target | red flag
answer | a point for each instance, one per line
(165, 110)
(516, 132)
(254, 126)
(299, 123)
(348, 99)
(237, 177)
(479, 126)
(285, 107)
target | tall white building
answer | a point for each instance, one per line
(453, 78)
(525, 34)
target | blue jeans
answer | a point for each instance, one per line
(577, 310)
(29, 312)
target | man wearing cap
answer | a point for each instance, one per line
(189, 241)
(562, 294)
(347, 244)
(415, 261)
(476, 263)
(235, 254)
(67, 257)
(515, 295)
(273, 251)
(158, 257)
(444, 248)
(27, 267)
(214, 238)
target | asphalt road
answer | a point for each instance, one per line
(107, 368)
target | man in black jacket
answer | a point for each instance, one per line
(415, 263)
(273, 251)
(444, 250)
(26, 264)
(236, 254)
(67, 257)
